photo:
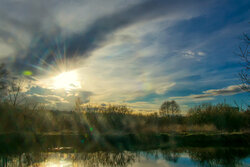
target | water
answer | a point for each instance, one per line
(21, 150)
(180, 157)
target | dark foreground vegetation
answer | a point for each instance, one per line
(122, 120)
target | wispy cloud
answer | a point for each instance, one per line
(210, 94)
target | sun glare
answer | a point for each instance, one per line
(66, 80)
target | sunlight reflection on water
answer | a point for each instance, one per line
(155, 158)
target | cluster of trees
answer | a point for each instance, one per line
(223, 116)
(169, 107)
(120, 119)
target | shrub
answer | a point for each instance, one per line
(223, 116)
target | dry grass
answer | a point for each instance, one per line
(177, 128)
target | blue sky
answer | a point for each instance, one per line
(137, 53)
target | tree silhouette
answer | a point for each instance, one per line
(15, 94)
(244, 56)
(169, 107)
(10, 87)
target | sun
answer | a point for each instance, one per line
(67, 80)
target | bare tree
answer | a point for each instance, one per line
(169, 107)
(10, 87)
(244, 56)
(15, 94)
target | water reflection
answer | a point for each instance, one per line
(209, 156)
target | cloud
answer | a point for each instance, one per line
(45, 99)
(59, 99)
(210, 94)
(39, 91)
(162, 89)
(201, 53)
(6, 50)
(109, 86)
(230, 90)
(191, 55)
(44, 35)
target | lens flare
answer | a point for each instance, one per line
(27, 73)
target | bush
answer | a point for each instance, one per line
(223, 116)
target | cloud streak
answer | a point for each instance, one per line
(210, 94)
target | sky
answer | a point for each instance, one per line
(133, 52)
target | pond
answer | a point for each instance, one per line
(125, 151)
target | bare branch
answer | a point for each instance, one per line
(244, 56)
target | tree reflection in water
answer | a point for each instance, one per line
(219, 156)
(96, 159)
(203, 156)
